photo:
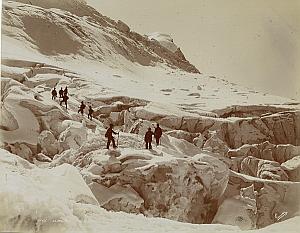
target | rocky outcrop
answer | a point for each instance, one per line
(180, 54)
(123, 27)
(80, 34)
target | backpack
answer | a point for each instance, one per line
(158, 132)
(107, 133)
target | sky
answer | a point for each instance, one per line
(253, 43)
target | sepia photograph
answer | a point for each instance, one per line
(138, 116)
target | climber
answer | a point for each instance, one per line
(109, 135)
(157, 134)
(148, 139)
(54, 94)
(61, 93)
(66, 91)
(81, 108)
(91, 111)
(64, 99)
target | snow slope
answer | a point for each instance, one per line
(108, 55)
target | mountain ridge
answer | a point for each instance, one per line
(80, 29)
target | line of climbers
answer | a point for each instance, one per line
(157, 135)
(82, 107)
(109, 133)
(63, 94)
(148, 137)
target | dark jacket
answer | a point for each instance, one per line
(54, 92)
(148, 136)
(82, 106)
(66, 91)
(109, 133)
(65, 98)
(157, 132)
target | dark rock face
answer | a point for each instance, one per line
(73, 37)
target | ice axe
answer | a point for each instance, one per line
(118, 139)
